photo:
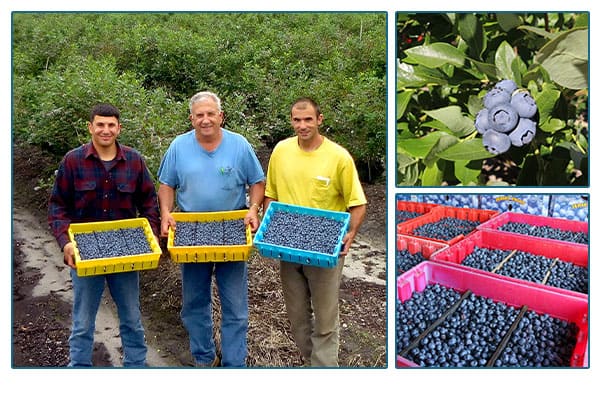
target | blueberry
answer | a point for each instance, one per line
(507, 85)
(481, 121)
(494, 97)
(523, 133)
(503, 117)
(524, 104)
(496, 142)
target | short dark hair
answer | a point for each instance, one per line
(105, 110)
(308, 100)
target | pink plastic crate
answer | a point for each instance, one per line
(437, 213)
(565, 306)
(537, 220)
(565, 251)
(418, 245)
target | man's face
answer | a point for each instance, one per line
(305, 121)
(206, 117)
(104, 130)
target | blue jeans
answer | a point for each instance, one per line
(87, 293)
(196, 311)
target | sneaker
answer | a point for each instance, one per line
(215, 363)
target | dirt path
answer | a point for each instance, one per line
(41, 255)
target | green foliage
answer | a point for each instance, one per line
(446, 64)
(149, 64)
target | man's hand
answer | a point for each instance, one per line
(69, 255)
(166, 221)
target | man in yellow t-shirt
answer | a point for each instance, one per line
(310, 170)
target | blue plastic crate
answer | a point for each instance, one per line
(295, 255)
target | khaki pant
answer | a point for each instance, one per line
(311, 297)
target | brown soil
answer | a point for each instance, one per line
(41, 324)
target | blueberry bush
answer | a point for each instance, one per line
(448, 64)
(150, 64)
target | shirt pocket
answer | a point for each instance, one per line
(322, 189)
(125, 195)
(84, 200)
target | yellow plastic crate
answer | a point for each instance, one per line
(111, 265)
(189, 254)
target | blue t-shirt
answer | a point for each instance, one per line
(210, 181)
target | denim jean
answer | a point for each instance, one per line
(196, 311)
(87, 294)
(311, 296)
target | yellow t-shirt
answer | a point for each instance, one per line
(325, 178)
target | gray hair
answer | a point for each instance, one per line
(201, 96)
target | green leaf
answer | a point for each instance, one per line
(467, 172)
(546, 101)
(508, 21)
(414, 76)
(435, 55)
(539, 31)
(432, 176)
(408, 170)
(471, 30)
(465, 150)
(402, 100)
(419, 147)
(503, 60)
(566, 58)
(552, 125)
(442, 144)
(488, 69)
(452, 117)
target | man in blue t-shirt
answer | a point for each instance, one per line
(212, 169)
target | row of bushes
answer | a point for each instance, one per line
(149, 64)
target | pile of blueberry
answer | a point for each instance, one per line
(303, 231)
(507, 117)
(545, 231)
(405, 260)
(414, 315)
(539, 341)
(473, 333)
(530, 267)
(446, 228)
(402, 215)
(231, 232)
(112, 243)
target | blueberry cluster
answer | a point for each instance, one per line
(302, 231)
(441, 328)
(530, 267)
(507, 117)
(539, 341)
(230, 232)
(445, 228)
(402, 215)
(112, 243)
(545, 231)
(405, 260)
(417, 313)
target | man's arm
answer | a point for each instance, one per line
(256, 194)
(166, 200)
(357, 216)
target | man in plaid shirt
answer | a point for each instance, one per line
(99, 181)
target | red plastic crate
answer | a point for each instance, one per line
(437, 213)
(565, 251)
(565, 306)
(537, 220)
(414, 206)
(418, 245)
